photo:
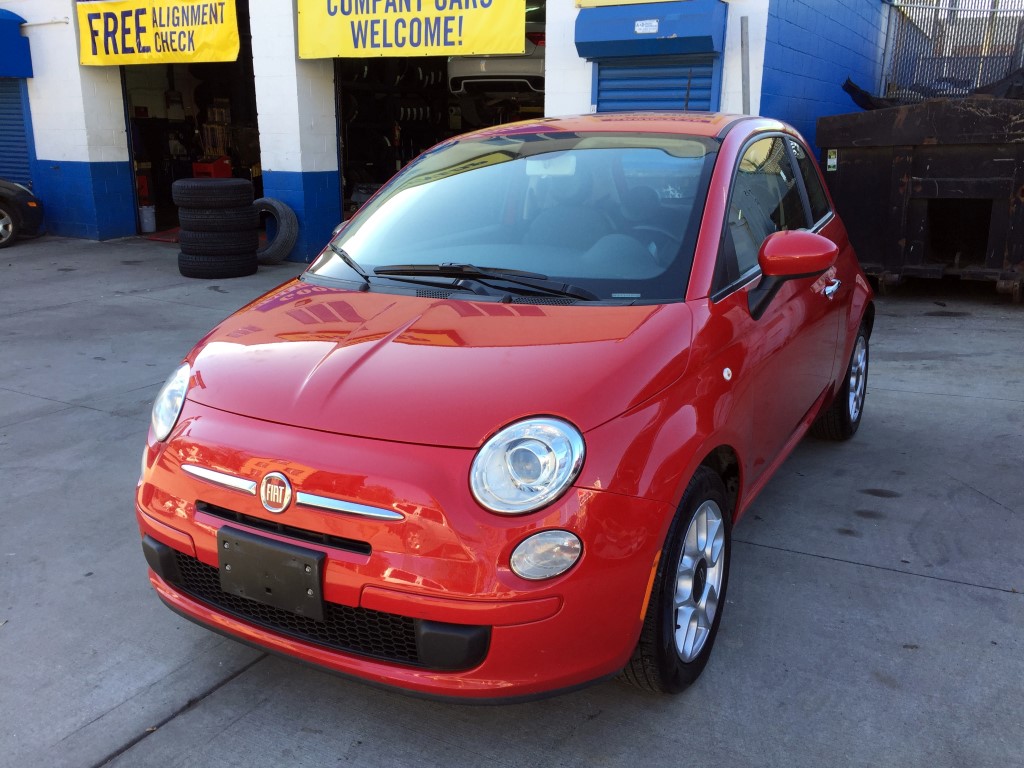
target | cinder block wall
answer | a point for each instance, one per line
(567, 77)
(812, 47)
(298, 128)
(80, 167)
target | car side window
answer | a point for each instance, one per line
(812, 181)
(765, 198)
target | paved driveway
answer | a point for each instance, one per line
(874, 616)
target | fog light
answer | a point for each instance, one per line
(546, 554)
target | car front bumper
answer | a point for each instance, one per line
(31, 219)
(427, 602)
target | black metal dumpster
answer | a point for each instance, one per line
(932, 189)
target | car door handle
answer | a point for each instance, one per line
(829, 291)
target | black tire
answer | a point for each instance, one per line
(658, 664)
(277, 250)
(211, 193)
(241, 218)
(218, 243)
(843, 417)
(8, 226)
(217, 267)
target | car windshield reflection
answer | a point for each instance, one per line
(614, 215)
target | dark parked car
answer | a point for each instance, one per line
(517, 72)
(21, 213)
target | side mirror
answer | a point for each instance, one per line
(789, 255)
(796, 253)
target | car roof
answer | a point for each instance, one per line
(708, 124)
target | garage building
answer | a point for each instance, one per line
(100, 141)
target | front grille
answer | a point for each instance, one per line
(302, 534)
(532, 299)
(552, 300)
(360, 631)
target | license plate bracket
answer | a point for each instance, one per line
(271, 572)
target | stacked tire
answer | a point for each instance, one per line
(219, 234)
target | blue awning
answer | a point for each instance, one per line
(15, 58)
(651, 29)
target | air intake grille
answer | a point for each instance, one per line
(360, 631)
(554, 300)
(314, 537)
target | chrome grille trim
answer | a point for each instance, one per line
(221, 478)
(325, 503)
(346, 507)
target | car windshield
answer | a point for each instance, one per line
(614, 215)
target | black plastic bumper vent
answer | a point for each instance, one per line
(302, 534)
(360, 631)
(353, 630)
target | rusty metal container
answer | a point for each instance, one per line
(932, 189)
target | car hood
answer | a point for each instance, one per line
(437, 372)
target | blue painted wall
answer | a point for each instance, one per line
(316, 199)
(812, 46)
(89, 200)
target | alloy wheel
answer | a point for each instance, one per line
(6, 226)
(699, 576)
(858, 382)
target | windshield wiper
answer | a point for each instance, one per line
(352, 263)
(532, 280)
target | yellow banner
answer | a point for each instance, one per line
(156, 31)
(365, 28)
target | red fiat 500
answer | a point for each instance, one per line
(492, 443)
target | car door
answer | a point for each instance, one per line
(788, 352)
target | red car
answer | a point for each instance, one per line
(493, 442)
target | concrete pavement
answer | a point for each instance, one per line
(874, 613)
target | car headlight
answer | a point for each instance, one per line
(167, 406)
(526, 465)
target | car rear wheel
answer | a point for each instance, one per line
(8, 227)
(686, 602)
(842, 419)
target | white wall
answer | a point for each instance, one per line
(294, 98)
(756, 12)
(77, 112)
(568, 79)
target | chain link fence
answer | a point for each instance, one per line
(950, 47)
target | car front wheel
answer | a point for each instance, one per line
(8, 227)
(686, 602)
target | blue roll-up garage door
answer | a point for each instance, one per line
(14, 162)
(676, 82)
